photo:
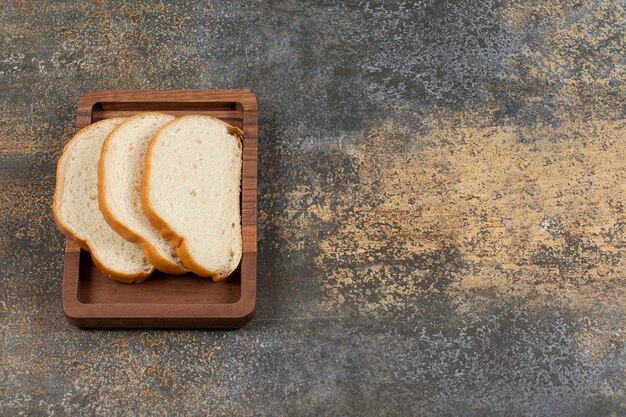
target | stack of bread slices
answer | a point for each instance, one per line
(153, 191)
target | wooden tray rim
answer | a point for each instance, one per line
(76, 311)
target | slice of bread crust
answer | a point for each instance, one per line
(119, 177)
(91, 233)
(219, 220)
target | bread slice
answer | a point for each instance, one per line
(75, 207)
(190, 192)
(119, 178)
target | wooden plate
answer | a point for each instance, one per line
(90, 299)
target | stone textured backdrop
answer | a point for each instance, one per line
(442, 207)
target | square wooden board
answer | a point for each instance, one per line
(92, 300)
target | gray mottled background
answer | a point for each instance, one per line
(442, 207)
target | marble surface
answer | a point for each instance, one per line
(442, 207)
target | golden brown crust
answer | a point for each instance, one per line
(185, 256)
(57, 219)
(152, 255)
(83, 243)
(161, 225)
(234, 131)
(123, 278)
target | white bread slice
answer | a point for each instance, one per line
(190, 192)
(119, 178)
(76, 211)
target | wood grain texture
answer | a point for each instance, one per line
(169, 301)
